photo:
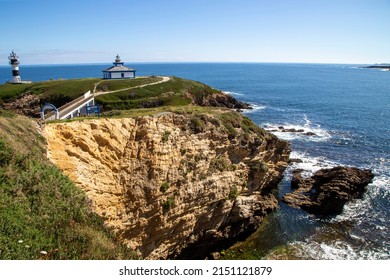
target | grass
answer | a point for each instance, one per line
(57, 92)
(111, 85)
(41, 210)
(175, 92)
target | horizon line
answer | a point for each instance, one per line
(196, 62)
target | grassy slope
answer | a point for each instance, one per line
(40, 208)
(60, 92)
(171, 93)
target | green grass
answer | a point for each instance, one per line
(57, 92)
(175, 92)
(41, 209)
(110, 85)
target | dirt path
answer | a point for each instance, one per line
(164, 80)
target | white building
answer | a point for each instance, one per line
(118, 71)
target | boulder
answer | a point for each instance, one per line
(292, 130)
(328, 190)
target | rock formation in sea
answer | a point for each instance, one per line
(328, 190)
(173, 185)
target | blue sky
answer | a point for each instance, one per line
(94, 31)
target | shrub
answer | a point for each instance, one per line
(233, 193)
(164, 187)
(260, 166)
(165, 136)
(197, 125)
(169, 203)
(218, 163)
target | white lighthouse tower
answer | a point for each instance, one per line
(14, 61)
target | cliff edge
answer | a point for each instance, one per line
(174, 184)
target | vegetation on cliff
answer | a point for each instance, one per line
(200, 172)
(43, 215)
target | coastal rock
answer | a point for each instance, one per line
(218, 100)
(167, 191)
(295, 160)
(292, 130)
(27, 104)
(328, 190)
(297, 181)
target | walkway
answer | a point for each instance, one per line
(73, 108)
(164, 80)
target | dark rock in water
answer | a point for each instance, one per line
(297, 160)
(328, 190)
(292, 130)
(310, 133)
(281, 127)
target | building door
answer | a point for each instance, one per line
(122, 75)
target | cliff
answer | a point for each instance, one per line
(173, 185)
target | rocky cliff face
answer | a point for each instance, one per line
(170, 182)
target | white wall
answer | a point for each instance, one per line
(118, 75)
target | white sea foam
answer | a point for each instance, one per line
(233, 93)
(281, 131)
(309, 164)
(255, 108)
(337, 250)
(359, 211)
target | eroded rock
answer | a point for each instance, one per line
(328, 190)
(166, 190)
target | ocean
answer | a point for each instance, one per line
(345, 106)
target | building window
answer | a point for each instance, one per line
(122, 75)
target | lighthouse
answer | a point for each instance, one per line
(118, 71)
(14, 62)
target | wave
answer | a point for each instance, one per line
(233, 93)
(308, 164)
(255, 108)
(362, 226)
(336, 250)
(306, 132)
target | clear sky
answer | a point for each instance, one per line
(94, 31)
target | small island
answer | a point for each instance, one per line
(384, 66)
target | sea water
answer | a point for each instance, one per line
(346, 107)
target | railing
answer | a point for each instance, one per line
(71, 106)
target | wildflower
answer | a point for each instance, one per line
(43, 252)
(20, 241)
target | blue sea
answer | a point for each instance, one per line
(345, 106)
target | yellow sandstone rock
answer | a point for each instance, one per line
(164, 188)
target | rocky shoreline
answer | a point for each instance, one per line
(326, 192)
